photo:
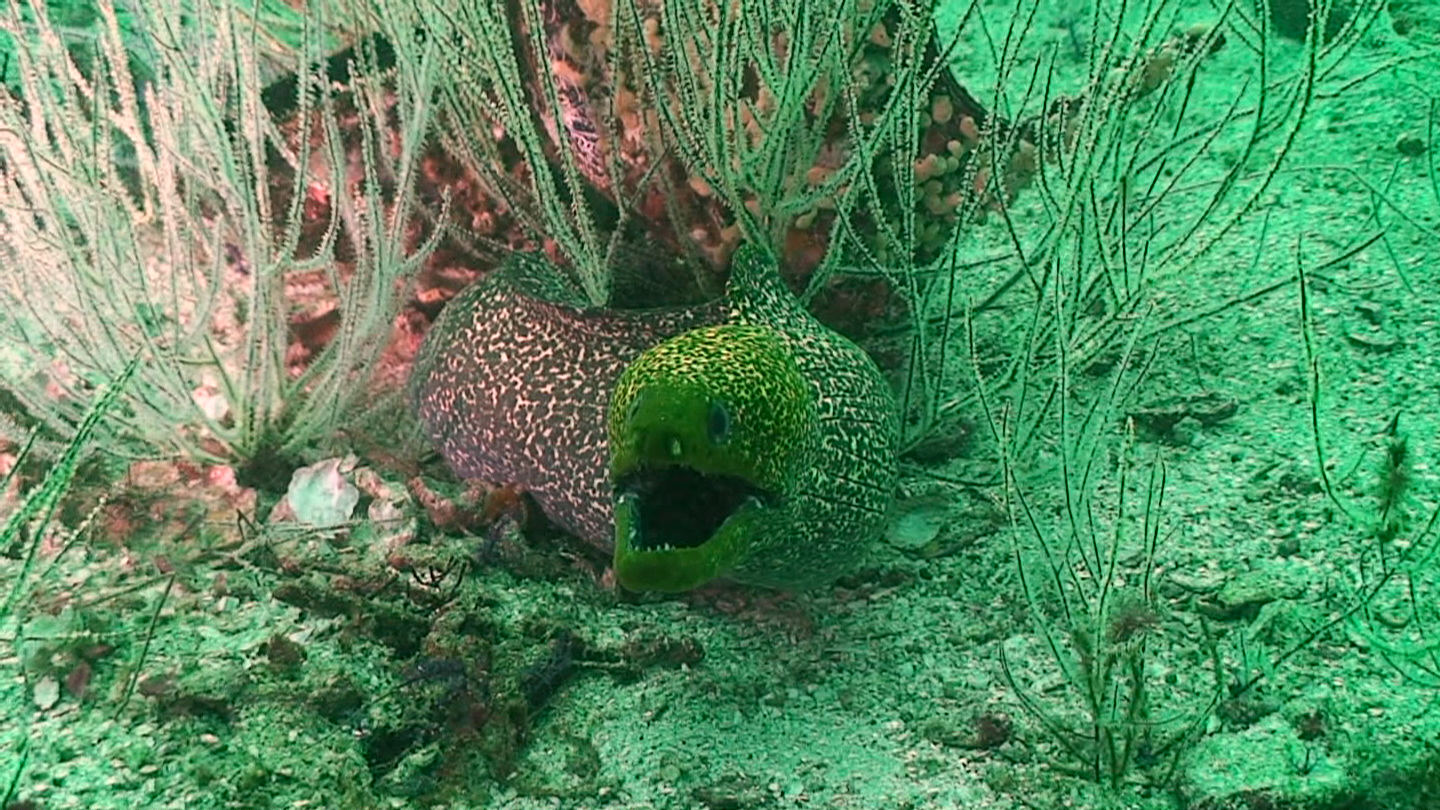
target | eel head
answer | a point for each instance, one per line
(708, 432)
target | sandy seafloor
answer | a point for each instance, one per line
(865, 695)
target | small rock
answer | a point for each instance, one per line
(1203, 581)
(1410, 145)
(1374, 340)
(918, 522)
(1244, 594)
(321, 495)
(47, 693)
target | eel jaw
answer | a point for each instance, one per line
(677, 528)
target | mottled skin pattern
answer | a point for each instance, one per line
(513, 387)
(513, 381)
(839, 501)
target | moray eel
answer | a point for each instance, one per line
(739, 440)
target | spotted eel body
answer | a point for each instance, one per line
(740, 440)
(513, 379)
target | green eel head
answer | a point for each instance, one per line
(707, 433)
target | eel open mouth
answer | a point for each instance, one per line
(681, 507)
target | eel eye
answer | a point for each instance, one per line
(718, 423)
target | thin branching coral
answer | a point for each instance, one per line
(142, 218)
